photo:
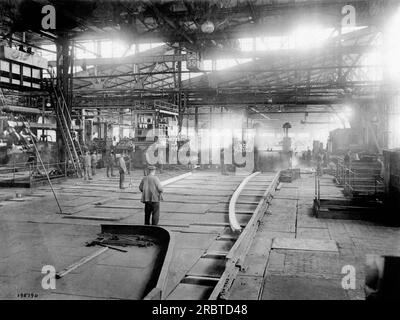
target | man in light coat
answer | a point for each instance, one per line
(151, 189)
(87, 166)
(122, 171)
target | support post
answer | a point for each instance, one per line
(63, 62)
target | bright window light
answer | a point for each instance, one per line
(225, 63)
(48, 55)
(115, 49)
(306, 37)
(156, 44)
(276, 43)
(348, 29)
(207, 64)
(85, 50)
(246, 44)
(348, 112)
(392, 47)
(344, 117)
(372, 61)
(240, 61)
(271, 43)
(119, 49)
(303, 37)
(106, 49)
(261, 44)
(144, 47)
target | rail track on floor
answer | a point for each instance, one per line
(214, 272)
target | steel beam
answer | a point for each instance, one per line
(131, 59)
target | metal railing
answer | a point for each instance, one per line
(355, 181)
(165, 106)
(348, 180)
(64, 120)
(340, 173)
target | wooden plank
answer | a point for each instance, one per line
(215, 254)
(305, 244)
(174, 179)
(93, 218)
(211, 224)
(79, 263)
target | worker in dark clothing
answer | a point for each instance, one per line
(122, 171)
(151, 189)
(93, 159)
(308, 156)
(325, 159)
(31, 159)
(110, 163)
(222, 158)
(347, 159)
(127, 159)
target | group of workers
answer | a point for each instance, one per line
(89, 161)
(307, 156)
(150, 186)
(349, 157)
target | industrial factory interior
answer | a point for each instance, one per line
(228, 150)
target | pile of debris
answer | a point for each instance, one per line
(111, 240)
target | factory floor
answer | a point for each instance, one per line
(33, 233)
(294, 254)
(298, 256)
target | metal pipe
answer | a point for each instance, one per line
(22, 110)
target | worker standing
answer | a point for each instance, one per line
(347, 159)
(127, 159)
(93, 162)
(122, 171)
(320, 160)
(110, 163)
(87, 166)
(308, 156)
(222, 158)
(290, 158)
(151, 189)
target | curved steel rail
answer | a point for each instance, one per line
(174, 179)
(237, 254)
(235, 226)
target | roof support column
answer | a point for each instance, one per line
(179, 98)
(64, 62)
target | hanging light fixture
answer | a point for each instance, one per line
(208, 27)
